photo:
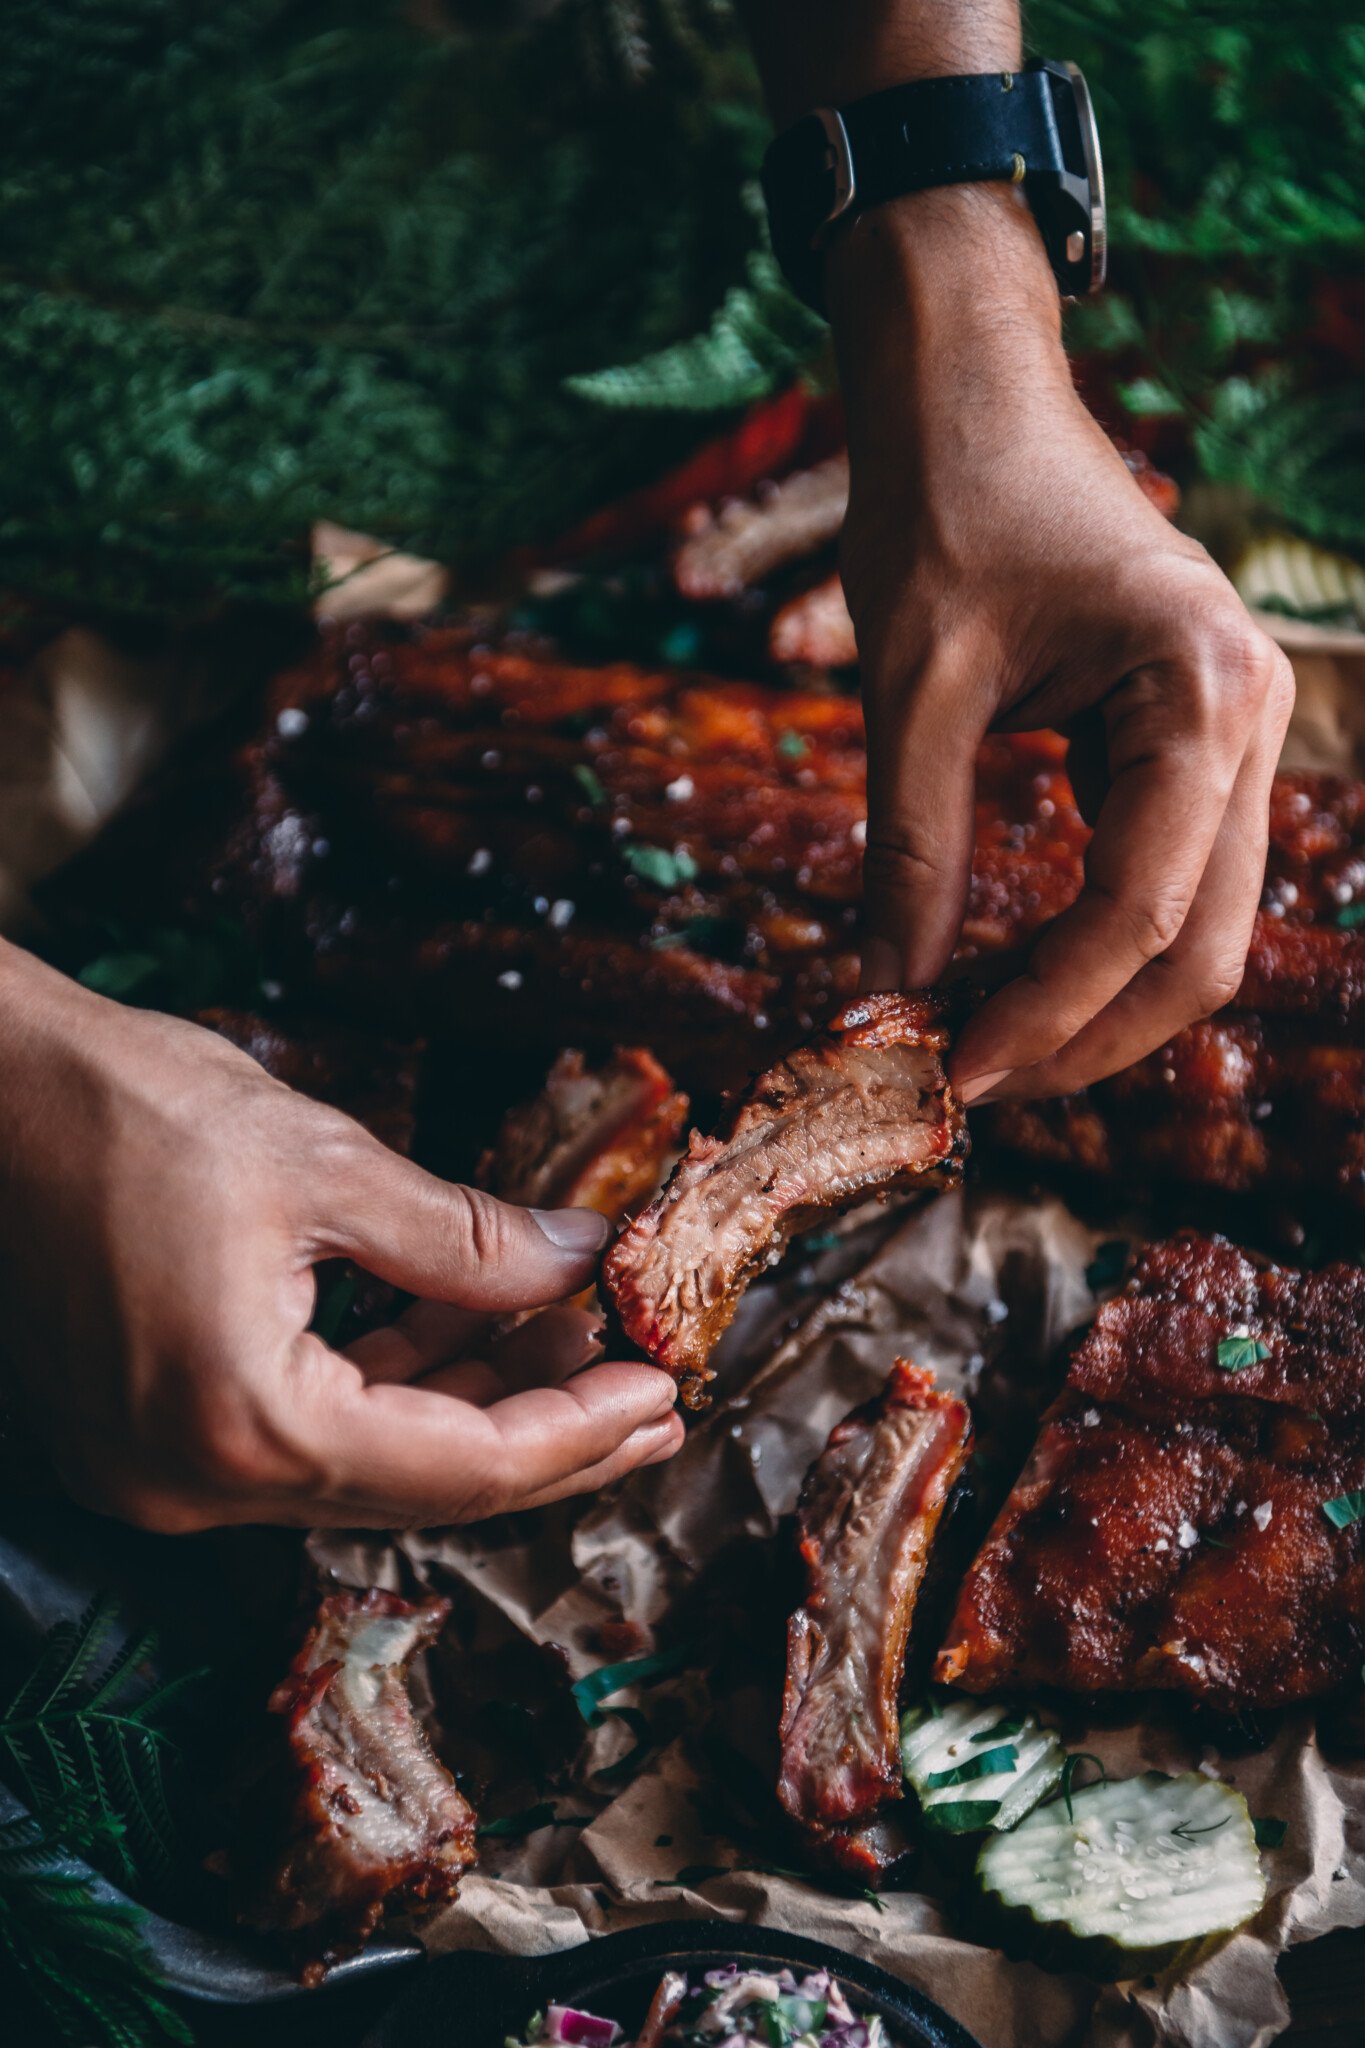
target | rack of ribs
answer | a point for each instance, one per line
(374, 1821)
(868, 1514)
(863, 1109)
(1187, 1518)
(483, 840)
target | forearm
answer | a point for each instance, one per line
(821, 52)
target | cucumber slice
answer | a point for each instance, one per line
(1138, 1875)
(973, 1766)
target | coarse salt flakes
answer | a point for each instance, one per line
(1261, 1515)
(511, 979)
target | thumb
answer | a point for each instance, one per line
(921, 826)
(449, 1243)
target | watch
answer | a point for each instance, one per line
(1034, 128)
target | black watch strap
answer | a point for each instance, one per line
(1024, 126)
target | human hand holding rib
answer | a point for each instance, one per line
(1004, 571)
(162, 1205)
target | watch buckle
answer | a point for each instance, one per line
(839, 163)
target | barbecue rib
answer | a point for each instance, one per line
(376, 1822)
(864, 1109)
(1169, 1529)
(868, 1514)
(592, 1139)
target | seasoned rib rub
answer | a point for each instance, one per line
(868, 1514)
(863, 1109)
(1169, 1529)
(377, 1821)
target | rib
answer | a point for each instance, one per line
(593, 1138)
(1168, 1530)
(868, 1514)
(375, 1823)
(746, 540)
(864, 1109)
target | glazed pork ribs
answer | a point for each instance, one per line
(594, 1138)
(374, 1821)
(1188, 1518)
(864, 1109)
(867, 1517)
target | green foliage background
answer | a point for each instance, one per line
(454, 283)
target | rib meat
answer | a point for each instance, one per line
(868, 1514)
(375, 1822)
(864, 1109)
(594, 1138)
(1169, 1529)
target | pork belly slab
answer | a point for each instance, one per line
(376, 1822)
(863, 1109)
(867, 1518)
(1185, 1519)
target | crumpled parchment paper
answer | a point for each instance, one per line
(982, 1286)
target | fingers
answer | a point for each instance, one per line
(452, 1244)
(1199, 973)
(411, 1456)
(921, 824)
(1177, 742)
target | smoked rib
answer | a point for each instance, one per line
(1173, 1526)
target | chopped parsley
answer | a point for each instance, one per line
(599, 1685)
(1011, 1725)
(792, 746)
(1351, 916)
(1345, 1508)
(657, 865)
(986, 1765)
(1235, 1353)
(590, 782)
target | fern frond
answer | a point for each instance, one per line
(79, 1958)
(759, 338)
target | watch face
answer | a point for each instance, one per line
(1094, 168)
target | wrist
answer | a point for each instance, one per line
(941, 289)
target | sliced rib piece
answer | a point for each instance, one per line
(748, 539)
(376, 1821)
(594, 1138)
(1169, 1529)
(863, 1109)
(815, 628)
(868, 1514)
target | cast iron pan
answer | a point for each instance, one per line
(473, 2000)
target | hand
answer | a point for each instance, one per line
(162, 1204)
(1004, 571)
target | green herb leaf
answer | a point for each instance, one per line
(792, 746)
(695, 1873)
(590, 782)
(1106, 1268)
(527, 1822)
(1235, 1353)
(1080, 1756)
(657, 865)
(612, 1678)
(1352, 915)
(962, 1816)
(983, 1766)
(118, 974)
(872, 1898)
(1269, 1832)
(1345, 1508)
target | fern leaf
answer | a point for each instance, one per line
(759, 338)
